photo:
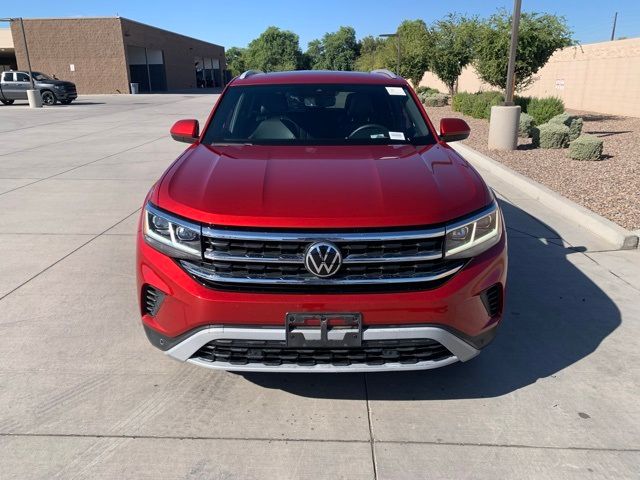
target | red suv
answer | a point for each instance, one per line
(320, 223)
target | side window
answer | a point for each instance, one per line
(22, 77)
(7, 76)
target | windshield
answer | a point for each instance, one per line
(41, 76)
(324, 114)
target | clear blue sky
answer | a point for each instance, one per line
(237, 22)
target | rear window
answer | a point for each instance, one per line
(323, 114)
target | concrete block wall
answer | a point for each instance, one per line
(93, 45)
(598, 77)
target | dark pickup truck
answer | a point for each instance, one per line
(14, 86)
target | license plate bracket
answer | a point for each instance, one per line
(323, 330)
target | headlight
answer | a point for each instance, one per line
(474, 235)
(171, 235)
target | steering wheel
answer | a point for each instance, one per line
(291, 125)
(368, 126)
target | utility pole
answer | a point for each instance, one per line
(613, 30)
(515, 24)
(26, 49)
(503, 124)
(33, 94)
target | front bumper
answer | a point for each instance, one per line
(64, 95)
(191, 314)
(458, 349)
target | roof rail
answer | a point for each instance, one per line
(384, 71)
(248, 73)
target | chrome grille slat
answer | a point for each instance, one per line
(205, 273)
(328, 236)
(359, 258)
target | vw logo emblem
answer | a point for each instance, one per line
(322, 259)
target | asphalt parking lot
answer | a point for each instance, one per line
(84, 395)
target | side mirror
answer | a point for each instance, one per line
(187, 131)
(454, 129)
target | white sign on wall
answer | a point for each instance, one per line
(560, 84)
(72, 67)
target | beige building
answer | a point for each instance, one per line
(107, 54)
(598, 77)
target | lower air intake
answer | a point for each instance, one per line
(151, 300)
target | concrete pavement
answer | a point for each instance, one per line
(83, 394)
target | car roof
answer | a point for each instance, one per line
(318, 76)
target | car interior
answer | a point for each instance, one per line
(316, 113)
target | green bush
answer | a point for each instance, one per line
(551, 135)
(427, 90)
(572, 121)
(467, 104)
(477, 105)
(525, 129)
(586, 147)
(486, 100)
(435, 100)
(544, 109)
(456, 101)
(523, 102)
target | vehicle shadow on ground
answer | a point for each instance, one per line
(555, 316)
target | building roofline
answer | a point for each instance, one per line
(171, 32)
(117, 17)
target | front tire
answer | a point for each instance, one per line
(7, 102)
(48, 98)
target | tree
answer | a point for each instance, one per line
(415, 50)
(371, 54)
(539, 36)
(274, 50)
(235, 60)
(314, 54)
(335, 51)
(453, 48)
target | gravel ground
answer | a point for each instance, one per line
(610, 187)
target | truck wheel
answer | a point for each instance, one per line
(7, 102)
(48, 98)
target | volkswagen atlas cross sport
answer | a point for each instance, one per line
(320, 223)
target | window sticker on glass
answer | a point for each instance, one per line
(395, 91)
(396, 135)
(377, 135)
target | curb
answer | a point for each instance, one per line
(623, 239)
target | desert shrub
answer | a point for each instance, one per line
(551, 135)
(427, 90)
(435, 100)
(586, 147)
(523, 102)
(467, 104)
(525, 128)
(572, 121)
(483, 101)
(544, 109)
(477, 105)
(456, 101)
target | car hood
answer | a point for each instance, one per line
(321, 187)
(61, 83)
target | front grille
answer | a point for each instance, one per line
(492, 299)
(275, 353)
(275, 260)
